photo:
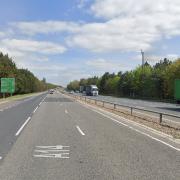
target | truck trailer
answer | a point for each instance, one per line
(177, 91)
(82, 89)
(92, 90)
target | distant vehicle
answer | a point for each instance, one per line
(82, 89)
(71, 92)
(51, 91)
(92, 90)
(76, 91)
(177, 91)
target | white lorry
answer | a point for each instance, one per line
(92, 90)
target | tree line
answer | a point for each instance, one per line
(154, 82)
(25, 81)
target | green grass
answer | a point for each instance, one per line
(16, 97)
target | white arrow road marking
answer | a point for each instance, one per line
(81, 132)
(61, 156)
(58, 151)
(52, 147)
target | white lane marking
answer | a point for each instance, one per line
(35, 109)
(21, 128)
(44, 98)
(40, 103)
(81, 132)
(156, 139)
(58, 151)
(66, 111)
(0, 157)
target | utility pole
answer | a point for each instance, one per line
(142, 53)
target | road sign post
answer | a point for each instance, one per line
(7, 86)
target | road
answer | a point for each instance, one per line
(12, 115)
(161, 107)
(65, 140)
(151, 105)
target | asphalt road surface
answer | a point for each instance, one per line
(151, 105)
(65, 140)
(161, 107)
(12, 116)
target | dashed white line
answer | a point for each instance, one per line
(21, 128)
(66, 111)
(0, 157)
(81, 132)
(40, 103)
(43, 99)
(35, 109)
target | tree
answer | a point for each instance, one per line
(25, 80)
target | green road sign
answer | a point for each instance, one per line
(7, 85)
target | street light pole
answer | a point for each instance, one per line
(142, 53)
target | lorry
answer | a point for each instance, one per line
(82, 89)
(92, 90)
(177, 91)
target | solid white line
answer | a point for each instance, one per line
(35, 109)
(81, 132)
(156, 139)
(40, 103)
(21, 128)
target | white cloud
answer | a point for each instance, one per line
(152, 59)
(113, 35)
(2, 34)
(115, 8)
(82, 3)
(173, 56)
(122, 26)
(129, 26)
(24, 46)
(104, 65)
(45, 27)
(48, 67)
(125, 26)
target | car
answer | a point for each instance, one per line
(71, 92)
(51, 91)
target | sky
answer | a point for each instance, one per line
(67, 40)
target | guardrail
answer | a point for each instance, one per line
(132, 110)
